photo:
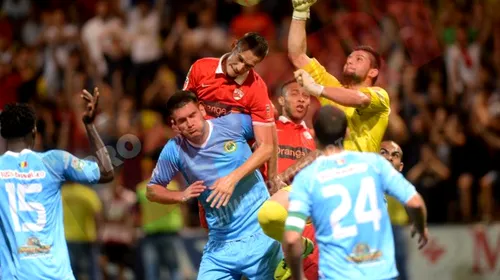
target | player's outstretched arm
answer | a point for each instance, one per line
(297, 37)
(343, 96)
(285, 178)
(160, 194)
(397, 186)
(96, 144)
(418, 214)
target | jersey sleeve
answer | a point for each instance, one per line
(300, 202)
(260, 107)
(242, 123)
(191, 81)
(167, 165)
(394, 183)
(379, 99)
(71, 168)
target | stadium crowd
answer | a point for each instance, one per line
(441, 70)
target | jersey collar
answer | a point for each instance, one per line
(239, 79)
(284, 119)
(14, 154)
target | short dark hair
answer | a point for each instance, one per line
(330, 126)
(375, 58)
(179, 99)
(17, 121)
(255, 42)
(285, 85)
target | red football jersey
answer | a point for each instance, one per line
(222, 95)
(294, 142)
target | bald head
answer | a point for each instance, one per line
(393, 153)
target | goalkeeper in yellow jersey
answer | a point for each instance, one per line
(366, 107)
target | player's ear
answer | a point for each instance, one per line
(281, 101)
(373, 73)
(174, 126)
(401, 165)
(202, 109)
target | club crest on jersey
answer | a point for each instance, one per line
(362, 253)
(230, 146)
(23, 164)
(34, 247)
(238, 94)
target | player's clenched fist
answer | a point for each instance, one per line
(194, 190)
(301, 8)
(307, 82)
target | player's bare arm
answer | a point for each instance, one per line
(285, 177)
(343, 96)
(161, 194)
(272, 163)
(96, 144)
(293, 250)
(418, 214)
(297, 37)
(223, 188)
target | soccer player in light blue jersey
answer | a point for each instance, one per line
(32, 244)
(206, 151)
(343, 193)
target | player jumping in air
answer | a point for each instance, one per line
(206, 151)
(230, 85)
(343, 192)
(33, 243)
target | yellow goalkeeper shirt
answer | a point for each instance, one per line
(366, 126)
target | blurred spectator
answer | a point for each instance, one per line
(92, 35)
(462, 60)
(16, 9)
(161, 225)
(145, 51)
(82, 209)
(207, 39)
(117, 233)
(429, 176)
(252, 19)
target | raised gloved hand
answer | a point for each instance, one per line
(301, 8)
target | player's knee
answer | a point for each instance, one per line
(272, 217)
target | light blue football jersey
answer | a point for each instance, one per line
(344, 196)
(225, 149)
(33, 245)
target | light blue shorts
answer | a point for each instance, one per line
(255, 257)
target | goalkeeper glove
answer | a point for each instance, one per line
(301, 8)
(307, 82)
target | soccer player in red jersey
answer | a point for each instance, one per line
(294, 142)
(230, 85)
